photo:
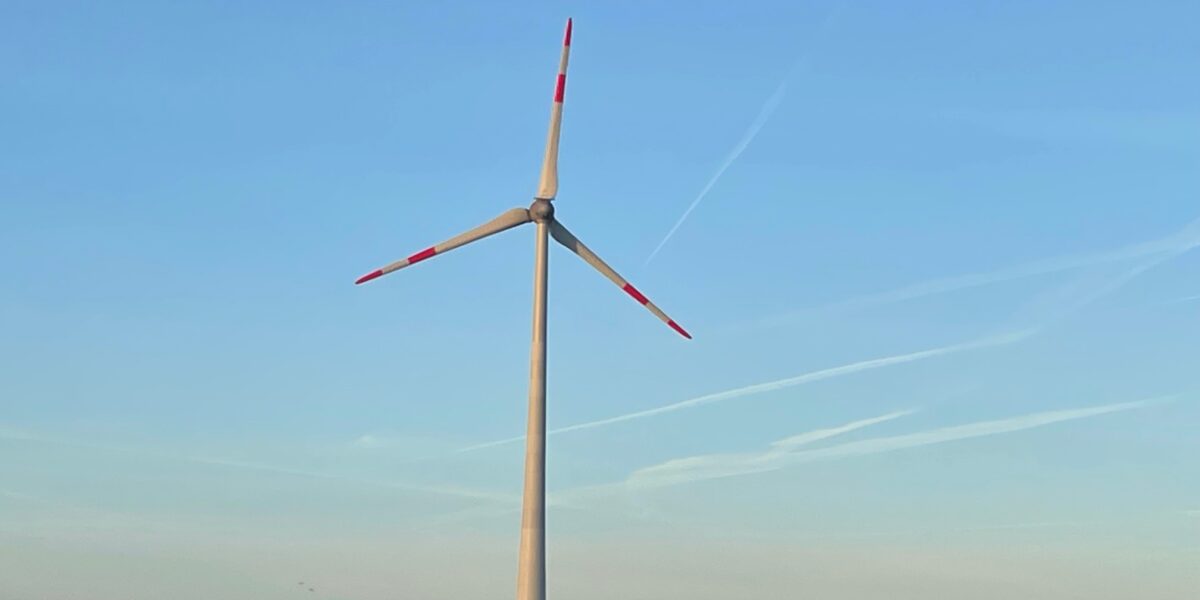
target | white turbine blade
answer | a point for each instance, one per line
(564, 237)
(508, 220)
(548, 184)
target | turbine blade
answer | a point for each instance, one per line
(566, 238)
(508, 220)
(548, 184)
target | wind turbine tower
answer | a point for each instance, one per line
(531, 569)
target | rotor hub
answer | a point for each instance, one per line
(541, 210)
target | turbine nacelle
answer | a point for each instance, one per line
(541, 210)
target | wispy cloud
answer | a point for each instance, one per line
(1164, 248)
(1061, 301)
(14, 495)
(1157, 127)
(1182, 300)
(924, 532)
(712, 466)
(441, 490)
(788, 444)
(778, 384)
(368, 440)
(707, 466)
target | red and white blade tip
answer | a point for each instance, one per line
(644, 301)
(567, 35)
(369, 276)
(679, 329)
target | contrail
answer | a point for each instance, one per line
(764, 114)
(1181, 300)
(715, 466)
(1167, 247)
(1057, 303)
(804, 439)
(745, 463)
(779, 384)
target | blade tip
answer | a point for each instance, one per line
(679, 329)
(369, 276)
(567, 35)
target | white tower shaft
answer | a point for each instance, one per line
(531, 563)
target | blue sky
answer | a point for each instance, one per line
(944, 299)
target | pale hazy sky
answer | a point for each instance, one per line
(938, 260)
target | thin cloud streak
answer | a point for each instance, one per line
(717, 465)
(764, 114)
(713, 466)
(1058, 303)
(456, 491)
(779, 384)
(460, 492)
(1182, 300)
(1167, 247)
(804, 439)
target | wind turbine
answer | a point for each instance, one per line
(531, 568)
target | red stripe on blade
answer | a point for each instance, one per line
(422, 255)
(567, 35)
(679, 329)
(632, 291)
(369, 276)
(560, 87)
